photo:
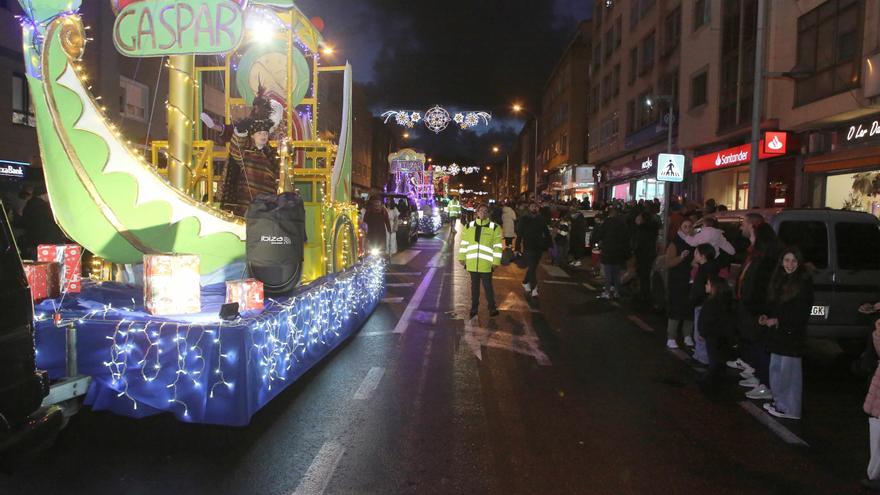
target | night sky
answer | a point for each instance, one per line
(462, 54)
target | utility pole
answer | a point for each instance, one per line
(757, 103)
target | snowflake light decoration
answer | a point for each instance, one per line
(437, 118)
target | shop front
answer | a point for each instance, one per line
(843, 171)
(634, 180)
(578, 183)
(723, 175)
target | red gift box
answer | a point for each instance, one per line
(247, 293)
(44, 279)
(172, 284)
(69, 257)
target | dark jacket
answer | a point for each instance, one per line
(788, 338)
(752, 296)
(534, 232)
(716, 318)
(614, 241)
(645, 241)
(698, 287)
(578, 231)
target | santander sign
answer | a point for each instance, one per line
(740, 155)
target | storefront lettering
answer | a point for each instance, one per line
(173, 27)
(740, 157)
(859, 131)
(647, 164)
(12, 171)
(731, 157)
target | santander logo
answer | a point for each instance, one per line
(731, 158)
(775, 144)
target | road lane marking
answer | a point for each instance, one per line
(776, 427)
(641, 323)
(374, 334)
(516, 303)
(476, 337)
(370, 383)
(391, 300)
(558, 282)
(588, 286)
(316, 479)
(555, 271)
(415, 302)
(404, 257)
(402, 284)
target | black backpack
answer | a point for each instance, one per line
(276, 236)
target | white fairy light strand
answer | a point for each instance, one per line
(437, 118)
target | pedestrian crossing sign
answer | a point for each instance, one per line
(670, 168)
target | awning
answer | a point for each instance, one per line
(843, 160)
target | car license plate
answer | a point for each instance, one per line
(820, 311)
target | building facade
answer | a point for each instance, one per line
(634, 80)
(562, 119)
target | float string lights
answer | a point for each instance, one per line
(437, 118)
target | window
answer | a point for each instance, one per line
(609, 43)
(596, 62)
(633, 14)
(594, 99)
(134, 99)
(672, 31)
(618, 30)
(829, 41)
(645, 7)
(563, 144)
(738, 35)
(615, 81)
(645, 114)
(702, 10)
(630, 116)
(608, 130)
(597, 10)
(647, 60)
(606, 89)
(699, 89)
(810, 237)
(858, 246)
(22, 106)
(633, 65)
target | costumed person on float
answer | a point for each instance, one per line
(253, 167)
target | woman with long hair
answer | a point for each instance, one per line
(789, 301)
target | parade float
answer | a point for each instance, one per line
(158, 217)
(409, 176)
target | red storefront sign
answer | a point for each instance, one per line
(733, 157)
(775, 143)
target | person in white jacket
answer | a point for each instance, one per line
(710, 234)
(508, 225)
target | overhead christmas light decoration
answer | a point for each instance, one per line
(437, 118)
(455, 169)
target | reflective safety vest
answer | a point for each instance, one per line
(480, 246)
(454, 208)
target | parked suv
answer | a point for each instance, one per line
(844, 249)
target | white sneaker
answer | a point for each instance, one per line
(761, 392)
(741, 365)
(671, 344)
(751, 382)
(772, 410)
(527, 287)
(746, 374)
(604, 295)
(689, 341)
(576, 263)
(535, 292)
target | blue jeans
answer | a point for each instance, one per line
(612, 277)
(786, 383)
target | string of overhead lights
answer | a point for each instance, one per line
(437, 118)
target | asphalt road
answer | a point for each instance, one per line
(564, 394)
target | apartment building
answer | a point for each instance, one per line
(562, 120)
(634, 78)
(819, 102)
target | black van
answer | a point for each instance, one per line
(24, 424)
(844, 249)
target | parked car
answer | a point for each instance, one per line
(408, 222)
(844, 249)
(25, 423)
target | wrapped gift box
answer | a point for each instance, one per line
(69, 257)
(247, 293)
(44, 279)
(172, 284)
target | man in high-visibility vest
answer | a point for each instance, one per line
(454, 210)
(480, 252)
